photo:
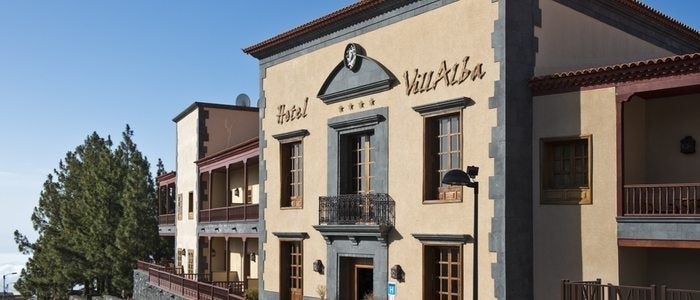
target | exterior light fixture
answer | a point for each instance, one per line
(459, 177)
(688, 145)
(318, 266)
(236, 192)
(252, 256)
(213, 252)
(4, 286)
(397, 273)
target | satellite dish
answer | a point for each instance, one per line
(243, 100)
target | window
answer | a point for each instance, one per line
(291, 168)
(179, 207)
(362, 159)
(292, 174)
(190, 206)
(443, 145)
(565, 168)
(178, 257)
(443, 272)
(190, 261)
(292, 278)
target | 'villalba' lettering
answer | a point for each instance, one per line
(455, 75)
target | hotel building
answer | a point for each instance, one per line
(208, 208)
(582, 175)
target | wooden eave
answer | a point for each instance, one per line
(166, 179)
(613, 75)
(366, 9)
(342, 18)
(239, 152)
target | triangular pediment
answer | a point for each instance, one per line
(343, 83)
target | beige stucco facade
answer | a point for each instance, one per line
(576, 242)
(405, 139)
(570, 40)
(416, 46)
(186, 182)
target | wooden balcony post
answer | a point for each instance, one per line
(228, 259)
(245, 189)
(210, 183)
(211, 246)
(244, 263)
(228, 191)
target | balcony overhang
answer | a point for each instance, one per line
(658, 228)
(354, 233)
(167, 229)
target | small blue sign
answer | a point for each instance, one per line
(391, 288)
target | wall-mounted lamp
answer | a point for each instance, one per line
(688, 145)
(318, 266)
(236, 192)
(213, 252)
(234, 229)
(397, 273)
(252, 256)
(255, 228)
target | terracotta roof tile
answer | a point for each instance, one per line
(639, 70)
(314, 25)
(305, 32)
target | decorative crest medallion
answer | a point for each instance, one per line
(351, 59)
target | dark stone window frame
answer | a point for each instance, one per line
(341, 127)
(286, 140)
(432, 244)
(431, 113)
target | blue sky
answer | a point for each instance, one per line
(68, 68)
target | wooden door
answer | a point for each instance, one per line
(295, 271)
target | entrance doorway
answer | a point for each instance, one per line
(356, 278)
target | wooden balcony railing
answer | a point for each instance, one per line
(189, 288)
(678, 199)
(594, 290)
(168, 219)
(352, 209)
(241, 212)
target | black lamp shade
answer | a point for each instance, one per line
(456, 177)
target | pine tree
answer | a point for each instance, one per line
(137, 232)
(95, 217)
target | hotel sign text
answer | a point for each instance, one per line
(285, 114)
(420, 82)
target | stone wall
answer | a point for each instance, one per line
(144, 290)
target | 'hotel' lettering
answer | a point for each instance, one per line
(294, 113)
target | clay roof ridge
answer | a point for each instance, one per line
(629, 66)
(314, 24)
(655, 13)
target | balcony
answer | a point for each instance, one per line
(166, 219)
(191, 286)
(356, 209)
(595, 290)
(242, 212)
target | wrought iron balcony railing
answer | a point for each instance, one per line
(356, 209)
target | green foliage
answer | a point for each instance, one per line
(251, 294)
(95, 218)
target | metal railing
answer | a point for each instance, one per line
(190, 288)
(241, 212)
(594, 290)
(353, 209)
(678, 199)
(166, 219)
